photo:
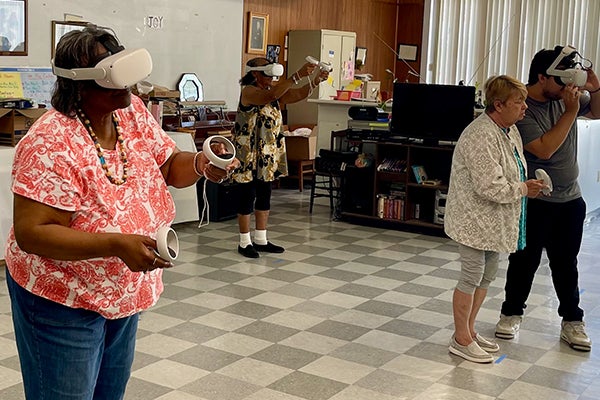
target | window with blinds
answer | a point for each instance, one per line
(470, 40)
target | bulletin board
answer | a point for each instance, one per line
(28, 83)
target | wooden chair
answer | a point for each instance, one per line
(302, 167)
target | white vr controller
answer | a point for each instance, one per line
(167, 243)
(325, 66)
(543, 175)
(219, 160)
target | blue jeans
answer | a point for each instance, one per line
(70, 353)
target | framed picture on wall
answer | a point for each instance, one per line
(59, 28)
(13, 28)
(273, 51)
(258, 29)
(407, 52)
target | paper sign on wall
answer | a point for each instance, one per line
(10, 85)
(29, 83)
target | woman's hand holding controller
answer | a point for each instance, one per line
(306, 70)
(214, 173)
(534, 187)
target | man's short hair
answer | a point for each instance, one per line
(542, 60)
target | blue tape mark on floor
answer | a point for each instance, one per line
(581, 291)
(500, 359)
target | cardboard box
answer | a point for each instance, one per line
(14, 123)
(301, 147)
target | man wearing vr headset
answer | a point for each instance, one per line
(555, 222)
(260, 144)
(90, 192)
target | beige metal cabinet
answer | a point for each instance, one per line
(336, 47)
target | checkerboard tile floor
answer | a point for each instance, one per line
(348, 312)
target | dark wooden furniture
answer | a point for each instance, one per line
(398, 200)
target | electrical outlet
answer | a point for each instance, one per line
(598, 176)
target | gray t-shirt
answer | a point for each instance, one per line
(562, 167)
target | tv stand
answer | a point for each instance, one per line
(398, 200)
(431, 142)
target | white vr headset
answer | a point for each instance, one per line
(577, 76)
(269, 69)
(118, 71)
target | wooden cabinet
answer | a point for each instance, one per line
(399, 200)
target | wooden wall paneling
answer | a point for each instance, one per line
(410, 31)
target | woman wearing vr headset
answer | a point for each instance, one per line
(90, 190)
(260, 145)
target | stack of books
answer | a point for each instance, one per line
(390, 207)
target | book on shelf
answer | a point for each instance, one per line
(392, 165)
(398, 186)
(420, 174)
(390, 207)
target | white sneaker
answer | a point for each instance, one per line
(508, 326)
(486, 344)
(573, 332)
(472, 352)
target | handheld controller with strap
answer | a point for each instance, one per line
(219, 160)
(325, 66)
(543, 175)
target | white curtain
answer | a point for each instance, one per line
(470, 40)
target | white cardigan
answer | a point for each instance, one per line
(484, 198)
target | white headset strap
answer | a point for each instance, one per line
(261, 68)
(566, 51)
(79, 74)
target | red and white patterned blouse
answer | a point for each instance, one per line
(56, 164)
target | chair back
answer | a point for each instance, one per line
(334, 162)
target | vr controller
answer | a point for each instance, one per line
(543, 175)
(219, 160)
(324, 66)
(167, 243)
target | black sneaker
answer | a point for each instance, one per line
(268, 248)
(248, 251)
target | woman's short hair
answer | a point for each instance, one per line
(249, 79)
(76, 49)
(501, 88)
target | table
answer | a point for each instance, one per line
(6, 201)
(186, 200)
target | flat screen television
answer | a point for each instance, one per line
(431, 112)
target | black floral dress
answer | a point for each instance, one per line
(259, 142)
